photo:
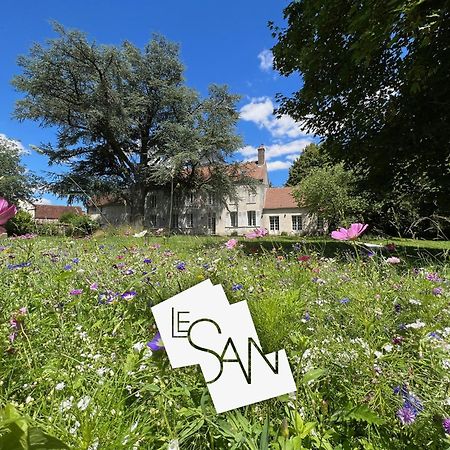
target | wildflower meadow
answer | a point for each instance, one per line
(365, 324)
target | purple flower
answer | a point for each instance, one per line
(93, 286)
(181, 266)
(147, 261)
(406, 415)
(433, 277)
(437, 291)
(344, 300)
(307, 317)
(156, 343)
(76, 292)
(237, 287)
(128, 272)
(67, 267)
(446, 425)
(128, 295)
(75, 260)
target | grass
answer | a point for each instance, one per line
(354, 328)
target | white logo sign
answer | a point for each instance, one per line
(199, 326)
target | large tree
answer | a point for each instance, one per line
(16, 181)
(125, 120)
(311, 157)
(376, 87)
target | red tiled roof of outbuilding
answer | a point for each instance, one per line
(54, 211)
(279, 198)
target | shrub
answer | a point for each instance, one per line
(21, 223)
(78, 225)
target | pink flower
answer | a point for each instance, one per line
(257, 233)
(93, 286)
(231, 244)
(355, 230)
(393, 260)
(7, 211)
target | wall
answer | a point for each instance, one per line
(309, 221)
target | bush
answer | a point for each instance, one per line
(21, 223)
(78, 225)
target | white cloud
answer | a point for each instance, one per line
(290, 150)
(260, 112)
(265, 60)
(278, 165)
(13, 144)
(43, 201)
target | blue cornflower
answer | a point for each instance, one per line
(147, 261)
(344, 300)
(406, 415)
(67, 267)
(181, 265)
(18, 266)
(75, 260)
(237, 287)
(128, 295)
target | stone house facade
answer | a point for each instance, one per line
(261, 206)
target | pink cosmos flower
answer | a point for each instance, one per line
(257, 233)
(355, 230)
(7, 211)
(231, 244)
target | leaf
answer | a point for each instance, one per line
(365, 414)
(38, 440)
(264, 439)
(313, 375)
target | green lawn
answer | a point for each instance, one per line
(354, 326)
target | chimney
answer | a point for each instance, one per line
(261, 155)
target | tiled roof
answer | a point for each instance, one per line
(246, 169)
(54, 211)
(279, 198)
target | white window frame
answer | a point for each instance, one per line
(189, 220)
(234, 223)
(274, 222)
(251, 218)
(297, 223)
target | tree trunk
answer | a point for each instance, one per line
(137, 206)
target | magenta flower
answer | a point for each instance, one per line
(446, 425)
(7, 211)
(355, 230)
(76, 291)
(156, 343)
(257, 233)
(231, 244)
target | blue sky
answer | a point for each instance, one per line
(221, 42)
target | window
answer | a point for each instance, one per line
(297, 223)
(234, 219)
(152, 201)
(190, 198)
(190, 220)
(320, 223)
(251, 198)
(176, 200)
(274, 223)
(251, 215)
(175, 221)
(152, 220)
(212, 222)
(212, 199)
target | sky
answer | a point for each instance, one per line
(221, 42)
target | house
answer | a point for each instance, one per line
(49, 213)
(261, 206)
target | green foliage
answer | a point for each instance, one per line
(332, 193)
(21, 436)
(313, 156)
(21, 223)
(78, 224)
(16, 182)
(376, 87)
(126, 122)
